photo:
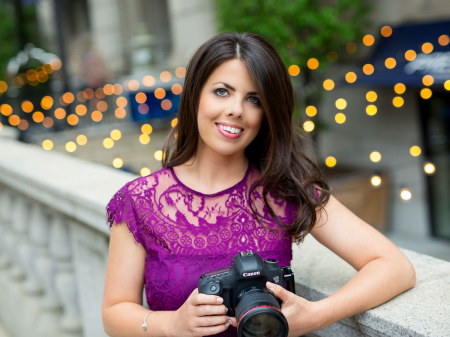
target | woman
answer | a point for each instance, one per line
(238, 178)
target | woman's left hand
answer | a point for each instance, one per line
(301, 314)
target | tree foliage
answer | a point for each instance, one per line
(299, 30)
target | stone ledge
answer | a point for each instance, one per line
(75, 187)
(421, 311)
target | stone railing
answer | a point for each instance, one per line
(54, 250)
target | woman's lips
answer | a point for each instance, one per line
(229, 135)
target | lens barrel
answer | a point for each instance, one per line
(258, 314)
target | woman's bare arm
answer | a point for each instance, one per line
(383, 270)
(122, 310)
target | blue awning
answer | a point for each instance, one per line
(409, 37)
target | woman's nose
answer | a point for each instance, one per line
(237, 108)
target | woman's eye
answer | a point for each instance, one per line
(218, 90)
(253, 99)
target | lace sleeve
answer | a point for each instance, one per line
(121, 209)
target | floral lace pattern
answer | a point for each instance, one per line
(187, 233)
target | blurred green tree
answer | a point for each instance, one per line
(300, 30)
(9, 36)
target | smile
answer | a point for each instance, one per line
(228, 132)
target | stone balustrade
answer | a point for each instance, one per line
(54, 250)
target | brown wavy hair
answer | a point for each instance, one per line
(281, 150)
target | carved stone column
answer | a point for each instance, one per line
(61, 251)
(19, 221)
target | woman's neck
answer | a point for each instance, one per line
(210, 174)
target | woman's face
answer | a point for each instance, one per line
(229, 97)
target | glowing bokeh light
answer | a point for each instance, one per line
(415, 151)
(146, 129)
(27, 106)
(120, 112)
(143, 108)
(328, 84)
(159, 155)
(180, 72)
(425, 93)
(165, 76)
(160, 93)
(72, 119)
(148, 81)
(81, 110)
(133, 85)
(47, 102)
(341, 104)
(444, 40)
(399, 88)
(447, 85)
(47, 144)
(14, 120)
(108, 143)
(429, 168)
(117, 163)
(390, 63)
(311, 111)
(371, 110)
(99, 93)
(375, 180)
(308, 126)
(82, 140)
(145, 171)
(6, 109)
(405, 194)
(121, 102)
(166, 104)
(340, 118)
(375, 156)
(428, 80)
(102, 106)
(38, 116)
(330, 161)
(117, 89)
(141, 97)
(71, 146)
(144, 139)
(177, 89)
(68, 98)
(96, 116)
(23, 125)
(371, 96)
(48, 122)
(398, 102)
(368, 40)
(427, 47)
(386, 31)
(368, 69)
(313, 63)
(60, 113)
(174, 122)
(294, 70)
(108, 89)
(116, 134)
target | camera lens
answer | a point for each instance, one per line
(259, 315)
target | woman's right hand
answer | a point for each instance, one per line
(200, 315)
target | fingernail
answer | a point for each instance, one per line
(219, 299)
(270, 285)
(228, 324)
(227, 309)
(228, 319)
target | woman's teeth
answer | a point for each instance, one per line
(229, 129)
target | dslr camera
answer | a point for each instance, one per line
(243, 289)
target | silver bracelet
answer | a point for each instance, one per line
(144, 325)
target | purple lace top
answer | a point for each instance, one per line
(187, 233)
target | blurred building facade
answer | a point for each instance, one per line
(111, 33)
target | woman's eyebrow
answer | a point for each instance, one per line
(231, 88)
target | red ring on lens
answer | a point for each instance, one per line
(261, 306)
